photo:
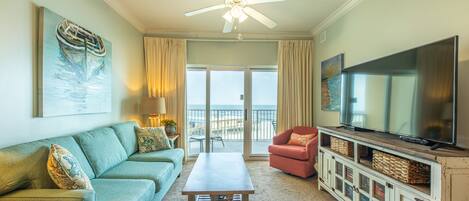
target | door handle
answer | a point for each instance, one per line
(245, 114)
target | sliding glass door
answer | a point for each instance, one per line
(227, 117)
(264, 110)
(231, 110)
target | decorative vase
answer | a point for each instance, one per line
(170, 130)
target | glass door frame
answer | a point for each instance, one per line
(247, 141)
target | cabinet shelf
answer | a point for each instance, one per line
(374, 186)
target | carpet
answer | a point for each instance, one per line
(270, 185)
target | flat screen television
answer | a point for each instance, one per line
(411, 93)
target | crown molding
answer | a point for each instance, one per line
(114, 4)
(229, 36)
(336, 15)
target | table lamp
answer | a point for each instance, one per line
(153, 108)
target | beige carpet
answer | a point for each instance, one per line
(270, 185)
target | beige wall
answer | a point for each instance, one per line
(232, 52)
(18, 39)
(376, 28)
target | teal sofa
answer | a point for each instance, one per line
(107, 155)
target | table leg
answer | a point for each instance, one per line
(191, 197)
(213, 197)
(245, 197)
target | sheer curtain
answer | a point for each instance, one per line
(295, 84)
(165, 61)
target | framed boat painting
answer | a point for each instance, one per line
(331, 83)
(74, 68)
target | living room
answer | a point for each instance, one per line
(120, 100)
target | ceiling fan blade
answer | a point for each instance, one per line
(228, 27)
(260, 17)
(204, 10)
(252, 2)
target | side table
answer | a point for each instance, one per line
(173, 139)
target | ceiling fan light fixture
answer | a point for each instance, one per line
(243, 17)
(228, 17)
(235, 13)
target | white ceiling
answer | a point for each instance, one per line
(294, 17)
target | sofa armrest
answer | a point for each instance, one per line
(282, 138)
(312, 148)
(49, 194)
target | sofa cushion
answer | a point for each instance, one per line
(123, 189)
(17, 171)
(65, 170)
(72, 146)
(174, 156)
(102, 148)
(152, 139)
(158, 172)
(127, 136)
(290, 151)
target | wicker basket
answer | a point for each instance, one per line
(342, 146)
(404, 170)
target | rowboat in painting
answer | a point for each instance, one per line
(82, 49)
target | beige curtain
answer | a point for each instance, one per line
(165, 61)
(295, 84)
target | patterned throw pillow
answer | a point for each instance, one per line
(301, 140)
(65, 170)
(152, 139)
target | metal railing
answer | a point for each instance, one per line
(229, 123)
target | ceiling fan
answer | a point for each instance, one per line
(239, 11)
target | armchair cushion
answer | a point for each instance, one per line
(300, 140)
(290, 151)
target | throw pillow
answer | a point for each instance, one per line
(301, 140)
(65, 170)
(152, 139)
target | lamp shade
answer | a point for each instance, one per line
(153, 106)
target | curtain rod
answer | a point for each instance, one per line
(231, 40)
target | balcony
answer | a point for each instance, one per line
(227, 130)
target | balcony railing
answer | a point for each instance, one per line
(229, 123)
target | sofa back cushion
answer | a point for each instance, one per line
(102, 148)
(25, 165)
(127, 136)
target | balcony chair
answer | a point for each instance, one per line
(294, 159)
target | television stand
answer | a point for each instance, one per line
(353, 128)
(443, 145)
(415, 140)
(341, 175)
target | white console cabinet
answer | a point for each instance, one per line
(353, 179)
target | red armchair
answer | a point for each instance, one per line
(294, 159)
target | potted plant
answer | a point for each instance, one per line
(169, 126)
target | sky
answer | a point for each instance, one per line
(228, 86)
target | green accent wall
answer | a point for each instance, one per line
(377, 28)
(18, 63)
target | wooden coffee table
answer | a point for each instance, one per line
(219, 175)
